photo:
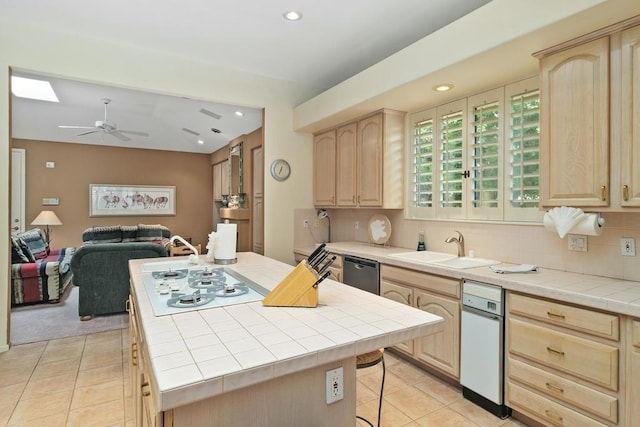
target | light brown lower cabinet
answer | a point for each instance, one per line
(437, 295)
(563, 363)
(633, 373)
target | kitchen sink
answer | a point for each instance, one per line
(444, 259)
(422, 256)
(465, 262)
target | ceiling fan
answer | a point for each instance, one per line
(106, 126)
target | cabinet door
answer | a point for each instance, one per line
(441, 350)
(346, 142)
(324, 169)
(370, 161)
(574, 126)
(633, 375)
(630, 123)
(403, 295)
(224, 177)
(217, 184)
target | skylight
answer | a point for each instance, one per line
(33, 89)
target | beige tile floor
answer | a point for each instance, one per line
(84, 381)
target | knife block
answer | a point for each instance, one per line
(296, 289)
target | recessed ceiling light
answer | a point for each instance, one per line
(239, 114)
(443, 87)
(292, 15)
(33, 89)
(200, 142)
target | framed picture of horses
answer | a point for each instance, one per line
(128, 200)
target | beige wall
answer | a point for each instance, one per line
(78, 165)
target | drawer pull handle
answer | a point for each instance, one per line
(549, 413)
(127, 305)
(553, 350)
(556, 315)
(603, 193)
(146, 392)
(418, 302)
(625, 193)
(134, 354)
(554, 387)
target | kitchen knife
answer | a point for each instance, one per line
(327, 264)
(315, 285)
(316, 253)
(320, 259)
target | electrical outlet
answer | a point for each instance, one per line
(356, 225)
(305, 223)
(335, 385)
(628, 246)
(577, 242)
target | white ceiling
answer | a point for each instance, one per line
(334, 41)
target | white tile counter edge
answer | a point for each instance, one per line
(200, 354)
(603, 293)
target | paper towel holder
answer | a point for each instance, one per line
(601, 220)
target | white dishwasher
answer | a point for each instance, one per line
(482, 346)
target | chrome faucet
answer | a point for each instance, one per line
(459, 240)
(187, 244)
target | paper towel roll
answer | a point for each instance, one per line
(588, 226)
(225, 248)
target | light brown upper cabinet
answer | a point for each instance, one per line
(630, 120)
(590, 120)
(574, 126)
(368, 162)
(324, 168)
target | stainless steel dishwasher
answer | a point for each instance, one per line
(482, 347)
(361, 273)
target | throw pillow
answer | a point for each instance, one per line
(106, 234)
(36, 244)
(129, 233)
(148, 233)
(18, 255)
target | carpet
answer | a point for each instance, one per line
(43, 322)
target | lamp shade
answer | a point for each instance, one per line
(46, 218)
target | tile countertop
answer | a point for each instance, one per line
(200, 354)
(604, 293)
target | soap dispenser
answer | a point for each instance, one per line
(421, 245)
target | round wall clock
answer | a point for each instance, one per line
(280, 169)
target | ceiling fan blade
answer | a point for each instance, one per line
(88, 132)
(76, 127)
(133, 132)
(118, 135)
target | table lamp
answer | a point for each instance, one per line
(46, 218)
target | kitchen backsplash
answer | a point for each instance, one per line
(518, 244)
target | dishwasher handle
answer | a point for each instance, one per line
(361, 263)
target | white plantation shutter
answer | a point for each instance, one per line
(480, 162)
(485, 154)
(451, 159)
(422, 174)
(522, 188)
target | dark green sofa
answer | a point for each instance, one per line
(101, 271)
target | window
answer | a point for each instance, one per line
(472, 160)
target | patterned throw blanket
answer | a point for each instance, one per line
(42, 281)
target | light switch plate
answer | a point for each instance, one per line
(50, 201)
(577, 242)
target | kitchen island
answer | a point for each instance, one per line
(247, 364)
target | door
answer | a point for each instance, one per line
(346, 165)
(370, 161)
(18, 189)
(324, 169)
(630, 141)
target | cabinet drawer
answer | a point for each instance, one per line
(635, 331)
(577, 356)
(585, 398)
(545, 410)
(429, 282)
(578, 319)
